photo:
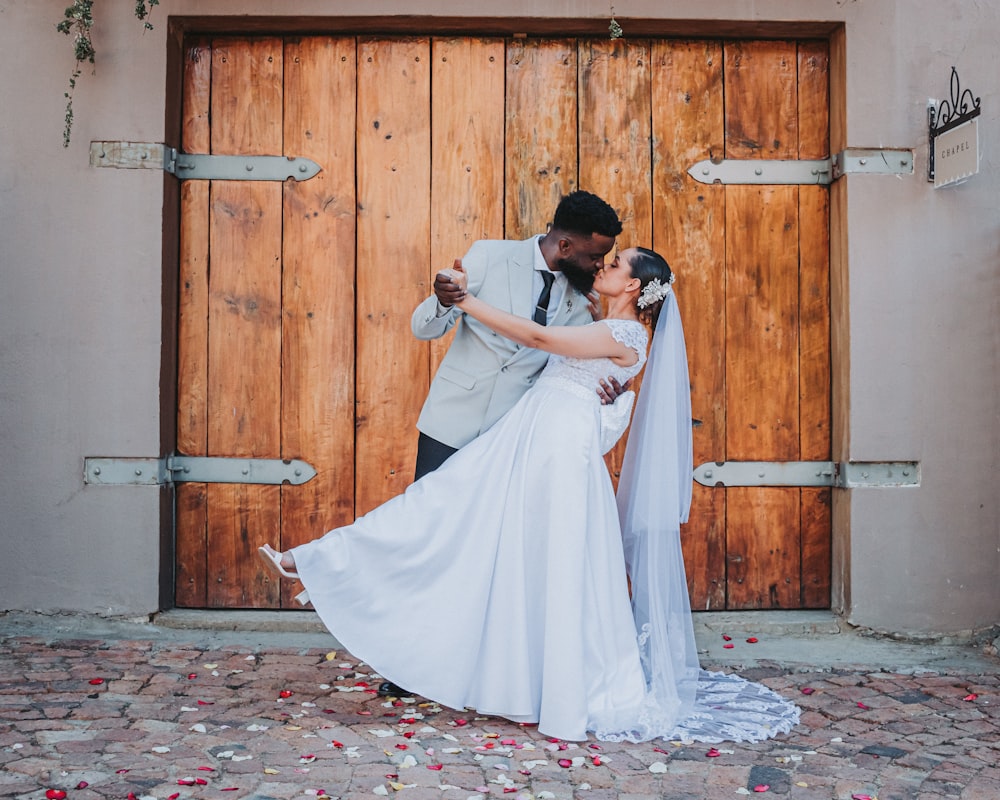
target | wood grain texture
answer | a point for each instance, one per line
(394, 232)
(540, 138)
(689, 231)
(191, 516)
(467, 181)
(318, 300)
(815, 375)
(762, 336)
(244, 318)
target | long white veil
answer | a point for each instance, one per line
(654, 498)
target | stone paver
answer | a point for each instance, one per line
(146, 719)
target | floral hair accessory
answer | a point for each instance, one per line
(653, 292)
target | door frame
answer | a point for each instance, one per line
(834, 33)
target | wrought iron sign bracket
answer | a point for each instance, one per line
(191, 166)
(852, 161)
(960, 107)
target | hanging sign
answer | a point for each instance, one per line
(953, 136)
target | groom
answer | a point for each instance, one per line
(546, 278)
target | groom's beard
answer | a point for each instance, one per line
(578, 278)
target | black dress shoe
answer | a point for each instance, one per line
(389, 689)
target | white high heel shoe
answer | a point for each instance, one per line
(272, 558)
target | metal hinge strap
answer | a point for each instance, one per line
(200, 469)
(805, 172)
(193, 166)
(847, 475)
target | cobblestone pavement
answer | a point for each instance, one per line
(144, 718)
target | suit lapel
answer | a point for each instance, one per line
(520, 271)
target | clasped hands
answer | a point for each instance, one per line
(451, 287)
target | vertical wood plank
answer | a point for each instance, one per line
(762, 326)
(467, 182)
(689, 231)
(616, 148)
(191, 515)
(393, 141)
(541, 140)
(244, 347)
(317, 374)
(814, 321)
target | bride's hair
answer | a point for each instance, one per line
(648, 265)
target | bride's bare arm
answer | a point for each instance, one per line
(580, 341)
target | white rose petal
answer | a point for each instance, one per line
(198, 728)
(657, 767)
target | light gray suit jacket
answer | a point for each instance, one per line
(483, 374)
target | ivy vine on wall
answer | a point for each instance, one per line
(77, 22)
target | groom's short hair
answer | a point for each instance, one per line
(586, 214)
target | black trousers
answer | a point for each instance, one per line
(431, 454)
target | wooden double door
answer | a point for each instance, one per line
(295, 297)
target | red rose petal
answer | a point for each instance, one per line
(185, 781)
(752, 640)
(661, 750)
(174, 796)
(596, 761)
(508, 742)
(761, 787)
(206, 702)
(207, 769)
(201, 781)
(970, 697)
(402, 747)
(82, 785)
(409, 734)
(55, 794)
(726, 637)
(862, 705)
(509, 789)
(728, 646)
(461, 722)
(807, 690)
(861, 797)
(713, 753)
(565, 763)
(93, 682)
(435, 766)
(120, 771)
(337, 744)
(285, 693)
(192, 676)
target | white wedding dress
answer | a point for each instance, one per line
(498, 583)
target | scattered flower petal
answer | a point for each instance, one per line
(726, 637)
(713, 753)
(657, 767)
(271, 771)
(198, 727)
(862, 705)
(285, 693)
(861, 797)
(161, 749)
(56, 794)
(93, 682)
(970, 697)
(761, 787)
(752, 640)
(435, 766)
(728, 646)
(82, 785)
(565, 763)
(192, 676)
(807, 690)
(331, 655)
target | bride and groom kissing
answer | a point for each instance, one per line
(553, 601)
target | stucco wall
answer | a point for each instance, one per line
(81, 303)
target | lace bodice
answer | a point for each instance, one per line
(587, 372)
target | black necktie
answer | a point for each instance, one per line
(541, 310)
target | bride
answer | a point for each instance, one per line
(508, 590)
